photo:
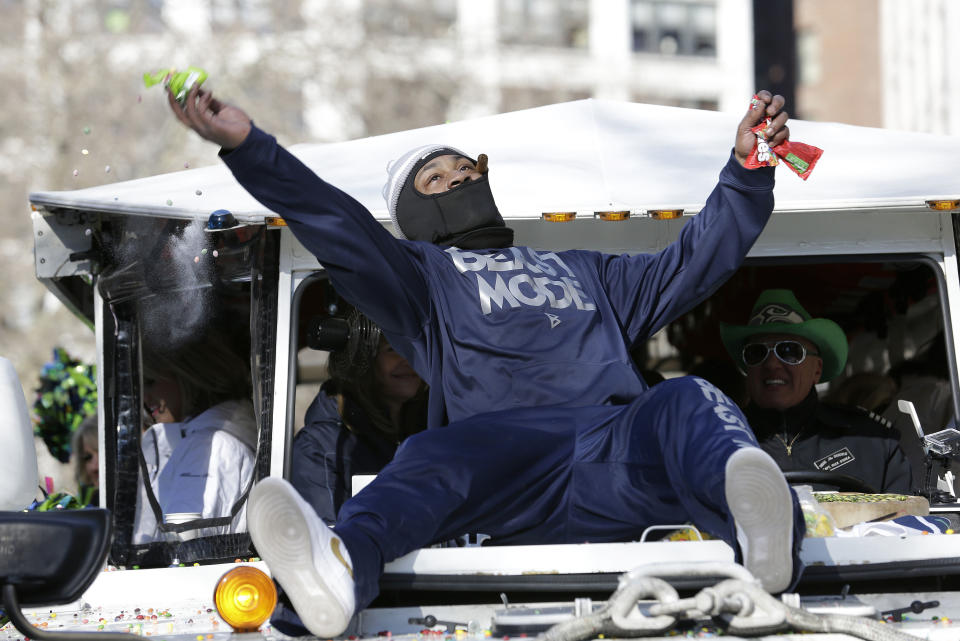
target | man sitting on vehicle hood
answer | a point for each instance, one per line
(785, 353)
(549, 433)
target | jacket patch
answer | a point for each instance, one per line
(838, 459)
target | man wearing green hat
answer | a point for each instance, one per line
(784, 354)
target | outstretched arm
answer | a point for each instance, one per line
(369, 267)
(649, 291)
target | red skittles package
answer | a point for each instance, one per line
(800, 157)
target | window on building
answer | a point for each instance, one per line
(674, 27)
(544, 23)
(412, 18)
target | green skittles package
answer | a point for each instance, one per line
(179, 82)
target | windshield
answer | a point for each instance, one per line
(890, 310)
(188, 334)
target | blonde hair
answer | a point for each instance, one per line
(84, 435)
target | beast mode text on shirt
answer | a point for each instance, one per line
(543, 279)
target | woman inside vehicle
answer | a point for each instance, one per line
(372, 401)
(199, 452)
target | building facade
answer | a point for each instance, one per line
(879, 63)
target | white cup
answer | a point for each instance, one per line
(176, 518)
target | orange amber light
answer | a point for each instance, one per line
(664, 214)
(559, 216)
(612, 215)
(943, 205)
(245, 598)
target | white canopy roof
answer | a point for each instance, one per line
(587, 155)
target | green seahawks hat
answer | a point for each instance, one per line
(777, 311)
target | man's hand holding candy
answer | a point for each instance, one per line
(766, 111)
(770, 144)
(215, 121)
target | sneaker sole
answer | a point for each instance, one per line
(282, 536)
(761, 503)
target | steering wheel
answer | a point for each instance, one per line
(842, 482)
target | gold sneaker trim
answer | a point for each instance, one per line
(335, 546)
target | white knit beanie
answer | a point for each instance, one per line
(397, 172)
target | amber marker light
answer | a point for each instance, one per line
(275, 221)
(943, 205)
(611, 215)
(245, 598)
(664, 214)
(559, 216)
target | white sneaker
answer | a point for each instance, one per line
(762, 507)
(305, 557)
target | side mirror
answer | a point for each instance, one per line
(18, 482)
(51, 558)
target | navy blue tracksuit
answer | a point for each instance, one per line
(550, 433)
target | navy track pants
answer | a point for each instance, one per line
(552, 475)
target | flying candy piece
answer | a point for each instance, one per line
(86, 130)
(179, 82)
(76, 172)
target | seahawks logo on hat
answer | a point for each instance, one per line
(774, 313)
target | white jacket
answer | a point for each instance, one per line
(201, 465)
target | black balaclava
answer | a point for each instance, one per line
(465, 216)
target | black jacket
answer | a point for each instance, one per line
(326, 455)
(829, 438)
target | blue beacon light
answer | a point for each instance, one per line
(221, 219)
